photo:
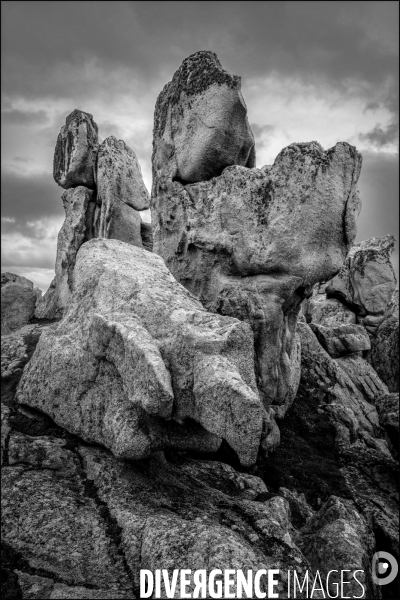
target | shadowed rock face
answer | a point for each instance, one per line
(200, 124)
(18, 299)
(76, 150)
(137, 364)
(366, 281)
(251, 243)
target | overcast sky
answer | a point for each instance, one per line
(324, 71)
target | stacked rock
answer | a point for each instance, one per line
(357, 312)
(105, 192)
(249, 243)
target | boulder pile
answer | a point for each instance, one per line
(226, 401)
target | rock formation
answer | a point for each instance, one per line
(148, 367)
(105, 192)
(137, 432)
(367, 281)
(18, 300)
(76, 151)
(251, 243)
(200, 123)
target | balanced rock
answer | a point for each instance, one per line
(200, 122)
(18, 300)
(367, 280)
(342, 339)
(384, 355)
(138, 365)
(251, 243)
(76, 151)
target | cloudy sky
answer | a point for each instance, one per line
(324, 71)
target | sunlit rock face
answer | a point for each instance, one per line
(138, 365)
(250, 243)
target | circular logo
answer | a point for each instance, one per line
(384, 568)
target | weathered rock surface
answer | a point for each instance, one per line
(121, 193)
(119, 175)
(328, 312)
(42, 588)
(76, 151)
(49, 520)
(252, 242)
(338, 519)
(388, 410)
(18, 299)
(367, 280)
(138, 365)
(384, 355)
(342, 398)
(75, 231)
(342, 339)
(363, 376)
(200, 123)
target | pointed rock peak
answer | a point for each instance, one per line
(80, 115)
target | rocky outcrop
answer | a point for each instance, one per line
(367, 281)
(108, 193)
(18, 300)
(339, 519)
(342, 398)
(76, 151)
(138, 365)
(247, 245)
(342, 339)
(384, 355)
(200, 123)
(110, 416)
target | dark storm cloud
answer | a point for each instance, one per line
(336, 40)
(27, 199)
(379, 136)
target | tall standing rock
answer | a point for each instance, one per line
(121, 192)
(18, 299)
(200, 124)
(76, 150)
